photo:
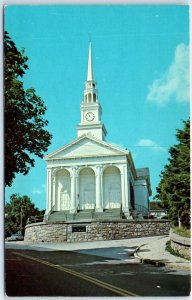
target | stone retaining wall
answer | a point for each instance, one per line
(94, 230)
(181, 244)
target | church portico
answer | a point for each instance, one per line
(88, 187)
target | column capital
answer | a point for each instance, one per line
(53, 176)
(99, 166)
(54, 171)
(73, 172)
(98, 170)
(74, 168)
(122, 169)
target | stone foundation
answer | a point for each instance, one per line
(94, 230)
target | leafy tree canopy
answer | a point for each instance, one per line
(24, 110)
(174, 187)
(17, 211)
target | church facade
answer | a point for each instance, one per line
(90, 174)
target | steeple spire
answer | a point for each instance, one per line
(90, 91)
(90, 107)
(90, 67)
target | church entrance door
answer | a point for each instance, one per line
(87, 196)
(63, 190)
(112, 188)
(65, 200)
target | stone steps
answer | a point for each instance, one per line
(109, 214)
(83, 215)
(58, 216)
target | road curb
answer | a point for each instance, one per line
(147, 260)
(158, 263)
(136, 255)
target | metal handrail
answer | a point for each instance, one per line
(141, 208)
(52, 209)
(35, 219)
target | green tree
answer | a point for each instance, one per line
(24, 110)
(174, 187)
(17, 211)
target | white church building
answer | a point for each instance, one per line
(91, 177)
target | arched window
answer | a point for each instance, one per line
(86, 98)
(89, 97)
(94, 97)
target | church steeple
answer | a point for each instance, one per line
(90, 107)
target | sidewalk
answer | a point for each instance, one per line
(154, 252)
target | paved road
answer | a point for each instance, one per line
(65, 273)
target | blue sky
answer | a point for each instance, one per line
(140, 61)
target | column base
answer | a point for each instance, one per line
(128, 217)
(45, 217)
(99, 209)
(73, 211)
(127, 213)
(125, 210)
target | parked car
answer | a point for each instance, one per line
(15, 237)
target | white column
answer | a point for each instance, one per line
(48, 192)
(125, 191)
(102, 190)
(123, 188)
(99, 207)
(77, 189)
(54, 192)
(73, 191)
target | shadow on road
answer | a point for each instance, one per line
(119, 253)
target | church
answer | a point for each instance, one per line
(91, 178)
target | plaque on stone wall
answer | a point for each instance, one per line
(78, 228)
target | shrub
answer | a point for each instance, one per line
(182, 231)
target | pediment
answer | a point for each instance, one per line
(86, 147)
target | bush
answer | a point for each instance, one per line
(182, 231)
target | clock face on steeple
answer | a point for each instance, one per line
(89, 116)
